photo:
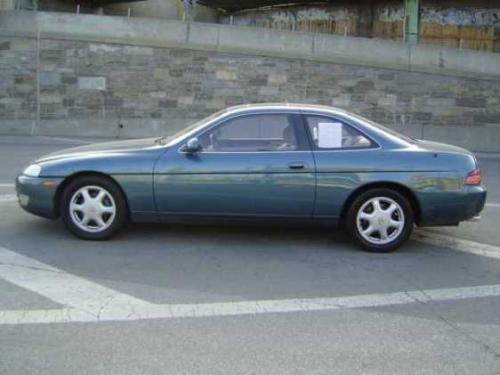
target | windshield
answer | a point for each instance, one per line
(384, 128)
(186, 132)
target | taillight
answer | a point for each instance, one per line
(474, 177)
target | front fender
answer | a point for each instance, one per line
(133, 172)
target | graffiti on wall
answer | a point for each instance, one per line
(324, 19)
(293, 14)
(390, 13)
(314, 14)
(462, 16)
(444, 16)
(385, 13)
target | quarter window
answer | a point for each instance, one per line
(329, 133)
(267, 132)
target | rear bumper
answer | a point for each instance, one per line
(36, 195)
(474, 202)
(452, 208)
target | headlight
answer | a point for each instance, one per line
(33, 170)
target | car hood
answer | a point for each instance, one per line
(101, 148)
(442, 147)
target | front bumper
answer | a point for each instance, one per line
(37, 194)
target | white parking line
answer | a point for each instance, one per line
(492, 205)
(6, 185)
(454, 243)
(305, 304)
(199, 310)
(8, 198)
(62, 139)
(86, 301)
(61, 286)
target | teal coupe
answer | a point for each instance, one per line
(268, 162)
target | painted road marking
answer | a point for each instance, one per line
(454, 243)
(113, 313)
(8, 198)
(61, 286)
(492, 205)
(69, 140)
(486, 155)
(6, 185)
(87, 301)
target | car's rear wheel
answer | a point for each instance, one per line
(93, 208)
(380, 220)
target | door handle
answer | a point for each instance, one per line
(296, 165)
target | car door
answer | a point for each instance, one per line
(257, 164)
(344, 156)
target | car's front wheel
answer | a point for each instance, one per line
(380, 220)
(93, 208)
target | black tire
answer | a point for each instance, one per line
(407, 220)
(112, 226)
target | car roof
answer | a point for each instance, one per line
(286, 107)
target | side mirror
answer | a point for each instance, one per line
(192, 146)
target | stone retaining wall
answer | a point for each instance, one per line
(67, 87)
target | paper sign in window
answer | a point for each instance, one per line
(330, 134)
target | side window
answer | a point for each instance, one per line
(266, 132)
(329, 133)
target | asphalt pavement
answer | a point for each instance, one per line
(165, 299)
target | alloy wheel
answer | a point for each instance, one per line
(380, 220)
(92, 208)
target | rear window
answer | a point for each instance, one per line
(330, 133)
(384, 128)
